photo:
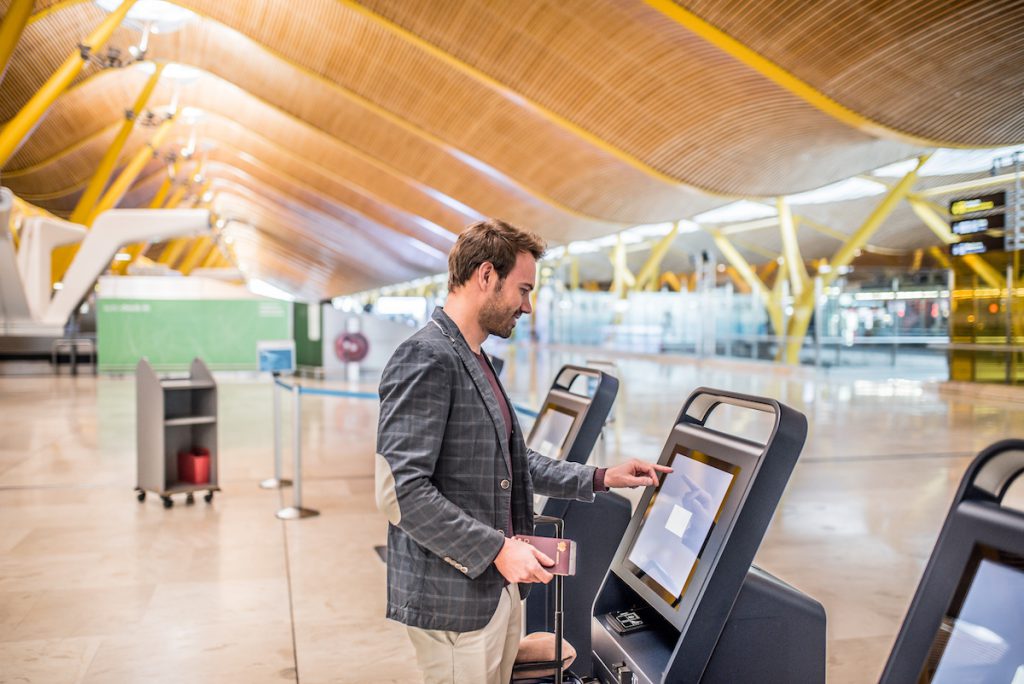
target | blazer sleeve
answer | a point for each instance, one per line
(415, 392)
(560, 479)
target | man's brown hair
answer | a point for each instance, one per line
(493, 241)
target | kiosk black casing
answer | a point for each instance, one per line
(596, 527)
(976, 519)
(736, 612)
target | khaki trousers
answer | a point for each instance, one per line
(485, 656)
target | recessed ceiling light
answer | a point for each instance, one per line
(163, 17)
(173, 71)
(849, 189)
(743, 210)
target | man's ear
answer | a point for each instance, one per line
(486, 274)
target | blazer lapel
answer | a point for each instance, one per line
(483, 387)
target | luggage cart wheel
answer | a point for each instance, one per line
(208, 497)
(141, 496)
(168, 502)
(190, 499)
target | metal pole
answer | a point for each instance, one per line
(896, 315)
(296, 511)
(277, 481)
(818, 323)
(559, 597)
(1009, 320)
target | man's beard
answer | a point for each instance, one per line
(497, 319)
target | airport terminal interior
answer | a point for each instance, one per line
(784, 256)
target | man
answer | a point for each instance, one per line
(455, 477)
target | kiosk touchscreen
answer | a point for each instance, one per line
(966, 623)
(681, 602)
(551, 431)
(679, 519)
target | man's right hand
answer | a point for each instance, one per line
(520, 562)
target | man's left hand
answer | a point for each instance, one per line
(634, 473)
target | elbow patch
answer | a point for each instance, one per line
(387, 496)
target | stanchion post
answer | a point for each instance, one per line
(296, 511)
(277, 481)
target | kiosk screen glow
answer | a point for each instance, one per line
(679, 520)
(984, 641)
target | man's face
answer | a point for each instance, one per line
(510, 298)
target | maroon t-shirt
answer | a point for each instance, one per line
(506, 416)
(502, 404)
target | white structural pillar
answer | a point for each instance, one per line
(40, 235)
(13, 303)
(109, 232)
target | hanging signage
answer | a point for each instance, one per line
(977, 204)
(978, 224)
(978, 245)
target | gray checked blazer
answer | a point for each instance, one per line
(443, 478)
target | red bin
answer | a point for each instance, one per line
(194, 465)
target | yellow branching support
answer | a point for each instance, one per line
(14, 23)
(647, 278)
(622, 278)
(196, 254)
(798, 279)
(172, 251)
(24, 122)
(88, 199)
(803, 306)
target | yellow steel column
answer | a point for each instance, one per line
(198, 251)
(214, 256)
(119, 267)
(99, 179)
(757, 286)
(798, 279)
(172, 251)
(176, 197)
(131, 171)
(63, 256)
(803, 306)
(941, 257)
(622, 278)
(647, 277)
(13, 24)
(22, 124)
(165, 187)
(941, 229)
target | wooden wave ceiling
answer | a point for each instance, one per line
(357, 139)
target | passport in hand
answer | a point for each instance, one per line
(562, 551)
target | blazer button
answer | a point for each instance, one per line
(504, 484)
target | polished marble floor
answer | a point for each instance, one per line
(96, 587)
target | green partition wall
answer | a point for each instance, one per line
(170, 333)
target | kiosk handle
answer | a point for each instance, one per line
(568, 375)
(703, 401)
(992, 472)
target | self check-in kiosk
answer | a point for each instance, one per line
(568, 426)
(966, 622)
(681, 602)
(574, 412)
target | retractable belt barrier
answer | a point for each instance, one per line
(296, 511)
